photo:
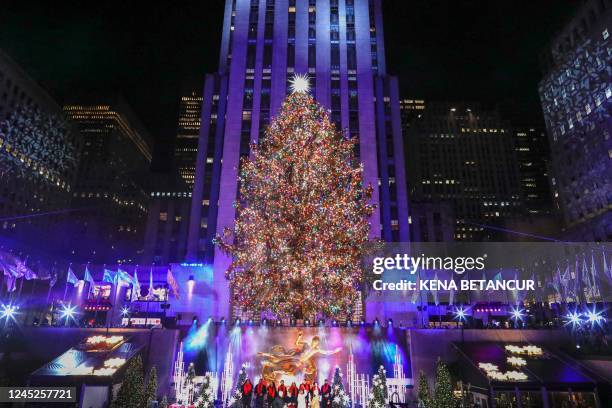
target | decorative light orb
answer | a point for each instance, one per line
(68, 311)
(460, 313)
(517, 313)
(573, 318)
(594, 317)
(8, 312)
(300, 83)
(125, 311)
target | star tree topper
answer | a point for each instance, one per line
(300, 83)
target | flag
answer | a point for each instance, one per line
(135, 286)
(172, 282)
(109, 276)
(71, 277)
(124, 277)
(88, 278)
(10, 283)
(150, 293)
(53, 280)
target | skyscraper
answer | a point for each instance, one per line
(576, 95)
(462, 154)
(187, 133)
(340, 45)
(39, 153)
(109, 192)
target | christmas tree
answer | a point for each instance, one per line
(302, 217)
(378, 398)
(150, 391)
(131, 392)
(443, 389)
(237, 394)
(340, 398)
(205, 399)
(424, 400)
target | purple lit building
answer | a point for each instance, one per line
(340, 45)
(576, 96)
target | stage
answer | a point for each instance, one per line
(298, 355)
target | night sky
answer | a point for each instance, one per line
(476, 50)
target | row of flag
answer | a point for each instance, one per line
(122, 278)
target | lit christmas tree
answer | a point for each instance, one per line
(302, 217)
(205, 399)
(150, 390)
(236, 397)
(131, 392)
(443, 389)
(424, 399)
(378, 398)
(340, 398)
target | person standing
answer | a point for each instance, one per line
(271, 393)
(325, 394)
(279, 400)
(315, 400)
(282, 387)
(247, 393)
(260, 393)
(293, 394)
(301, 400)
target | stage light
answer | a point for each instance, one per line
(334, 322)
(306, 322)
(250, 322)
(237, 322)
(279, 322)
(376, 322)
(362, 322)
(321, 322)
(8, 312)
(594, 317)
(460, 313)
(573, 318)
(125, 311)
(292, 322)
(349, 323)
(390, 322)
(68, 312)
(517, 314)
(264, 321)
(223, 320)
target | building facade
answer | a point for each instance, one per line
(165, 239)
(187, 134)
(109, 200)
(458, 153)
(532, 154)
(576, 96)
(340, 45)
(39, 152)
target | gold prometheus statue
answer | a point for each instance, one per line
(300, 359)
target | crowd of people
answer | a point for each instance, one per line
(266, 394)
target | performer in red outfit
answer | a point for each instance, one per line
(293, 394)
(247, 393)
(260, 392)
(325, 394)
(271, 393)
(282, 387)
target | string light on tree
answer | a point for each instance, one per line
(302, 220)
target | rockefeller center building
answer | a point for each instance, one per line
(576, 96)
(339, 44)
